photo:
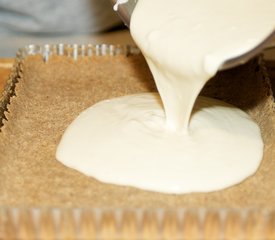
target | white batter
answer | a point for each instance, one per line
(133, 141)
(185, 42)
(125, 141)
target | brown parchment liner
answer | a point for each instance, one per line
(55, 83)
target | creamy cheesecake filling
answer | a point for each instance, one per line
(175, 142)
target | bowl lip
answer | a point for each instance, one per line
(124, 9)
